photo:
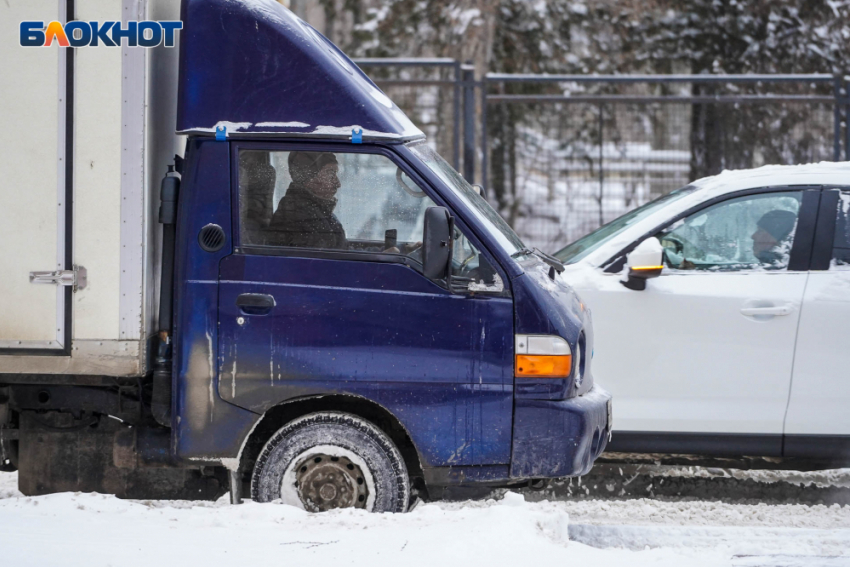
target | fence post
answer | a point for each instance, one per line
(836, 147)
(456, 126)
(484, 156)
(469, 122)
(601, 163)
(846, 119)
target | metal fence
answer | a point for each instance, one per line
(562, 155)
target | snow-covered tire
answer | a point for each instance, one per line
(339, 459)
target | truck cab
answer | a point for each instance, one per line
(344, 321)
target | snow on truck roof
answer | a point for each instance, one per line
(254, 67)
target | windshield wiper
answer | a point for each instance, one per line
(553, 262)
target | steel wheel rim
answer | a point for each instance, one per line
(326, 480)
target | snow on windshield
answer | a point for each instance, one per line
(584, 246)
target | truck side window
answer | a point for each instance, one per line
(329, 201)
(841, 244)
(256, 191)
(744, 233)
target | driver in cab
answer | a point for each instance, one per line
(770, 241)
(772, 232)
(305, 215)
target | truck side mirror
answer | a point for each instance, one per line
(436, 243)
(644, 262)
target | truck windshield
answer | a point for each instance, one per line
(587, 244)
(486, 215)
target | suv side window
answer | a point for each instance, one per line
(841, 243)
(336, 201)
(744, 233)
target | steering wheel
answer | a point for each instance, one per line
(415, 253)
(465, 263)
(678, 244)
(414, 192)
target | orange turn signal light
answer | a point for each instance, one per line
(646, 268)
(543, 366)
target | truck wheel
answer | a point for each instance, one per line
(329, 460)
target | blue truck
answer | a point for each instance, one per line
(311, 306)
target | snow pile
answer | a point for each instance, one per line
(9, 486)
(646, 512)
(735, 542)
(92, 529)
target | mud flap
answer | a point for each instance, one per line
(59, 453)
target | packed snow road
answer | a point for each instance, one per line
(91, 529)
(624, 481)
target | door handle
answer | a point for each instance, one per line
(770, 311)
(255, 303)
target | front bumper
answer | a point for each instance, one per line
(559, 438)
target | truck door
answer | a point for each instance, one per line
(325, 295)
(34, 217)
(817, 423)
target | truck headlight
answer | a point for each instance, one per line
(542, 356)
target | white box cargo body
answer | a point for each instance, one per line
(89, 133)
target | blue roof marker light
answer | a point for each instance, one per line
(253, 67)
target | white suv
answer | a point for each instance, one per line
(741, 344)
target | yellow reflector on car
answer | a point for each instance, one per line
(543, 366)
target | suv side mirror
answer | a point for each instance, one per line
(437, 243)
(644, 262)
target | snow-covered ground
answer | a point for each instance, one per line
(91, 529)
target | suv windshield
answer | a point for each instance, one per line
(587, 244)
(486, 215)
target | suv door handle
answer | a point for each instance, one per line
(255, 303)
(773, 310)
